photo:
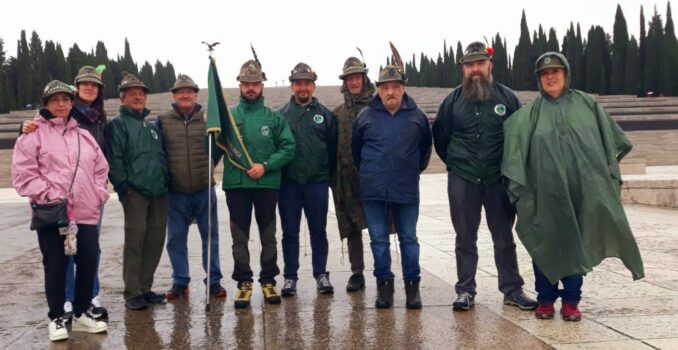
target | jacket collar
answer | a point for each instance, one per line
(44, 116)
(406, 104)
(253, 105)
(313, 104)
(196, 108)
(134, 114)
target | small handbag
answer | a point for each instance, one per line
(53, 215)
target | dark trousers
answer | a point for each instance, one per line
(145, 225)
(547, 293)
(354, 243)
(466, 201)
(54, 262)
(313, 198)
(240, 202)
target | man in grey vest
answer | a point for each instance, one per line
(183, 129)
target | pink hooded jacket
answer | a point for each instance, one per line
(43, 163)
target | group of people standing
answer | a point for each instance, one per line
(555, 162)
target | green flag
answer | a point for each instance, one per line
(221, 123)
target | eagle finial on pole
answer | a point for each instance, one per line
(210, 47)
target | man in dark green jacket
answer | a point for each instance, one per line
(183, 129)
(305, 183)
(468, 136)
(358, 91)
(138, 172)
(270, 144)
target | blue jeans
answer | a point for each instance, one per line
(70, 269)
(547, 293)
(183, 209)
(405, 218)
(313, 199)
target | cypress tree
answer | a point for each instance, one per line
(500, 70)
(654, 55)
(632, 84)
(597, 61)
(170, 75)
(523, 60)
(619, 48)
(670, 74)
(642, 48)
(146, 75)
(127, 63)
(40, 73)
(552, 44)
(160, 78)
(76, 59)
(457, 65)
(23, 82)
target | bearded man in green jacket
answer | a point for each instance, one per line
(561, 157)
(269, 141)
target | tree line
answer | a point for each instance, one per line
(599, 63)
(23, 77)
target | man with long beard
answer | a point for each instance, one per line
(468, 136)
(268, 138)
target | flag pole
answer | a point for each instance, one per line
(210, 168)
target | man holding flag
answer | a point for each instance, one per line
(258, 143)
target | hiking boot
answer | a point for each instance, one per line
(355, 283)
(87, 323)
(570, 312)
(136, 303)
(217, 291)
(520, 300)
(57, 329)
(324, 285)
(242, 299)
(384, 294)
(413, 298)
(544, 311)
(96, 310)
(154, 298)
(177, 291)
(68, 312)
(464, 301)
(270, 294)
(289, 288)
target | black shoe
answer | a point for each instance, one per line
(464, 301)
(136, 303)
(412, 295)
(97, 312)
(153, 297)
(324, 285)
(217, 291)
(384, 294)
(520, 300)
(177, 291)
(356, 282)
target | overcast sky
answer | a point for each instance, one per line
(320, 33)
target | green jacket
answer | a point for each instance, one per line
(315, 132)
(469, 136)
(268, 140)
(136, 155)
(561, 158)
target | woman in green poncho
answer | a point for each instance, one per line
(561, 160)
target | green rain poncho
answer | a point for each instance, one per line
(561, 159)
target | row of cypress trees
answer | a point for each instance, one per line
(23, 76)
(600, 63)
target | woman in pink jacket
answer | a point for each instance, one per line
(43, 166)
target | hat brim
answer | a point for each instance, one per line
(90, 80)
(548, 66)
(356, 71)
(387, 80)
(475, 57)
(195, 89)
(145, 88)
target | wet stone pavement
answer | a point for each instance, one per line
(618, 313)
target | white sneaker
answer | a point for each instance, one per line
(85, 323)
(57, 329)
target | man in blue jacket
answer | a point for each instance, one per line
(391, 147)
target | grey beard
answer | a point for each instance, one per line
(477, 90)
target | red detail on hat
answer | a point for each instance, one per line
(490, 50)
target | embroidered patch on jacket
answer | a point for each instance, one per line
(500, 110)
(318, 119)
(265, 131)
